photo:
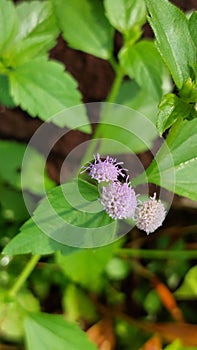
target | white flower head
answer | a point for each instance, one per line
(150, 215)
(119, 200)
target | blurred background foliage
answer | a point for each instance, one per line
(141, 297)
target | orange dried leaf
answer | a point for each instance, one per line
(102, 335)
(186, 332)
(167, 299)
(153, 343)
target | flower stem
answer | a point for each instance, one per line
(24, 275)
(157, 254)
(116, 85)
(110, 99)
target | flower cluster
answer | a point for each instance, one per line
(150, 215)
(105, 170)
(119, 199)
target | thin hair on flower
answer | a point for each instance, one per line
(150, 215)
(106, 170)
(119, 200)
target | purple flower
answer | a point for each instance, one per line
(119, 200)
(150, 215)
(104, 170)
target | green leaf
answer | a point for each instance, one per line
(85, 26)
(36, 34)
(77, 305)
(36, 18)
(189, 91)
(34, 177)
(125, 14)
(177, 345)
(171, 108)
(124, 129)
(71, 214)
(11, 154)
(166, 108)
(50, 332)
(117, 269)
(58, 226)
(43, 89)
(131, 95)
(8, 24)
(173, 37)
(13, 206)
(175, 165)
(5, 97)
(193, 26)
(152, 303)
(92, 261)
(143, 63)
(32, 240)
(13, 311)
(188, 289)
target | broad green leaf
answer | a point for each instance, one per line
(87, 266)
(5, 97)
(171, 108)
(36, 34)
(36, 18)
(13, 311)
(193, 26)
(188, 289)
(32, 240)
(8, 24)
(124, 129)
(58, 226)
(85, 26)
(173, 38)
(71, 214)
(51, 332)
(182, 151)
(34, 177)
(125, 14)
(43, 89)
(143, 63)
(131, 95)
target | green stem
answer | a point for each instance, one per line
(116, 85)
(111, 99)
(157, 254)
(113, 63)
(24, 275)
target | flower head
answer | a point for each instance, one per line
(119, 200)
(150, 215)
(105, 170)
